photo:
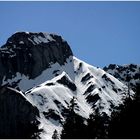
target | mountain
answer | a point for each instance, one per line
(127, 74)
(31, 53)
(43, 67)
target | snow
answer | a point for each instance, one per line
(19, 92)
(45, 39)
(48, 37)
(63, 94)
(40, 39)
(21, 42)
(44, 96)
(31, 41)
(27, 32)
(26, 83)
(37, 39)
(123, 74)
(13, 55)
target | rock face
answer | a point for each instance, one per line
(127, 74)
(31, 53)
(17, 114)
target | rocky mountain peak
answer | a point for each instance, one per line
(31, 53)
(29, 38)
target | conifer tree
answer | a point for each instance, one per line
(73, 127)
(55, 135)
(97, 125)
(125, 119)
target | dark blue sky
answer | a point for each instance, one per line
(99, 33)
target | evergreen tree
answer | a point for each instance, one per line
(97, 125)
(128, 78)
(29, 130)
(126, 119)
(123, 123)
(55, 135)
(74, 126)
(73, 105)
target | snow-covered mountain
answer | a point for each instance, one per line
(127, 74)
(43, 67)
(92, 87)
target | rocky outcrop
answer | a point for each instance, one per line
(18, 117)
(31, 53)
(127, 74)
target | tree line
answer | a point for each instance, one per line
(123, 123)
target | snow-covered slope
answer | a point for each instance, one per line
(92, 88)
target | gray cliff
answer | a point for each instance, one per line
(18, 117)
(31, 53)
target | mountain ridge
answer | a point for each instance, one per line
(128, 74)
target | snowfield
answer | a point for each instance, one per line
(52, 91)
